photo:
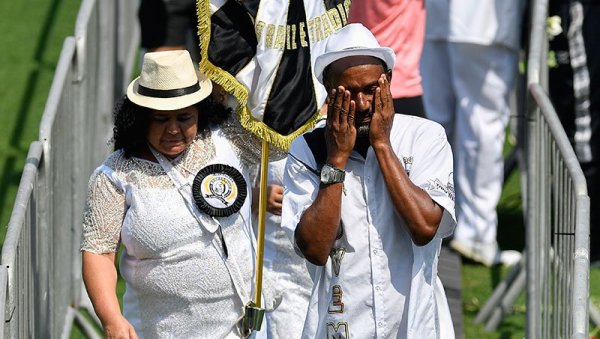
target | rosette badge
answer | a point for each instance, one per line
(219, 190)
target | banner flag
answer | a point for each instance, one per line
(262, 52)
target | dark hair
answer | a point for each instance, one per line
(131, 122)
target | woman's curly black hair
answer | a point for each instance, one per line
(131, 122)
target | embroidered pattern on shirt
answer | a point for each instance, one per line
(337, 330)
(408, 161)
(336, 305)
(448, 188)
(336, 255)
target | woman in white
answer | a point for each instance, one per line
(187, 274)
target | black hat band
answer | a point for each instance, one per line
(168, 93)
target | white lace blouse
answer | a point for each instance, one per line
(177, 282)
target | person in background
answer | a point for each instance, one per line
(575, 92)
(188, 271)
(469, 65)
(287, 283)
(169, 25)
(370, 208)
(286, 279)
(400, 25)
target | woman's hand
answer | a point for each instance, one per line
(341, 131)
(274, 199)
(383, 115)
(119, 328)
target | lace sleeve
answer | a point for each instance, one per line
(103, 215)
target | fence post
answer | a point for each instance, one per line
(582, 264)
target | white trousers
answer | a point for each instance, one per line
(466, 88)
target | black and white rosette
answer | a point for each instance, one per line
(219, 190)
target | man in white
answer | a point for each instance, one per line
(369, 198)
(468, 67)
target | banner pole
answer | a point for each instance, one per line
(262, 210)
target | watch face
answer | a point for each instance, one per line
(325, 175)
(331, 175)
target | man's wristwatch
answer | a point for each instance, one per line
(331, 175)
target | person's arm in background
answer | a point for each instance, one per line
(319, 225)
(274, 198)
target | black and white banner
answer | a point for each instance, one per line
(262, 52)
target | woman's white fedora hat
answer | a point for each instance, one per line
(168, 81)
(352, 40)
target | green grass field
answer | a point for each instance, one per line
(33, 33)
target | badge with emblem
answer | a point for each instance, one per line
(219, 190)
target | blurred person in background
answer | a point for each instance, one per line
(286, 280)
(575, 92)
(400, 25)
(169, 25)
(469, 66)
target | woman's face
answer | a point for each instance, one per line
(170, 132)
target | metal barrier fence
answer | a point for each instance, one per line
(40, 273)
(555, 268)
(558, 221)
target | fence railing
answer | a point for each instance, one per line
(558, 223)
(40, 273)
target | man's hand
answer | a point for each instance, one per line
(274, 198)
(340, 131)
(383, 115)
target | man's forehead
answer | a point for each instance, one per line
(339, 66)
(356, 60)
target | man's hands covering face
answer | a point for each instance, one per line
(383, 115)
(341, 128)
(340, 132)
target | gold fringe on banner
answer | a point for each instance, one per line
(240, 92)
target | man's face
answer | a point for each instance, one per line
(360, 76)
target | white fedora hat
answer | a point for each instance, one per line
(168, 81)
(352, 40)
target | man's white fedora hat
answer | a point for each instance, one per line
(168, 81)
(352, 40)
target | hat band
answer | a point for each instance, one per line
(168, 93)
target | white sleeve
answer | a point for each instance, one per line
(432, 171)
(104, 212)
(300, 185)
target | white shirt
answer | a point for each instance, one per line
(387, 287)
(483, 22)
